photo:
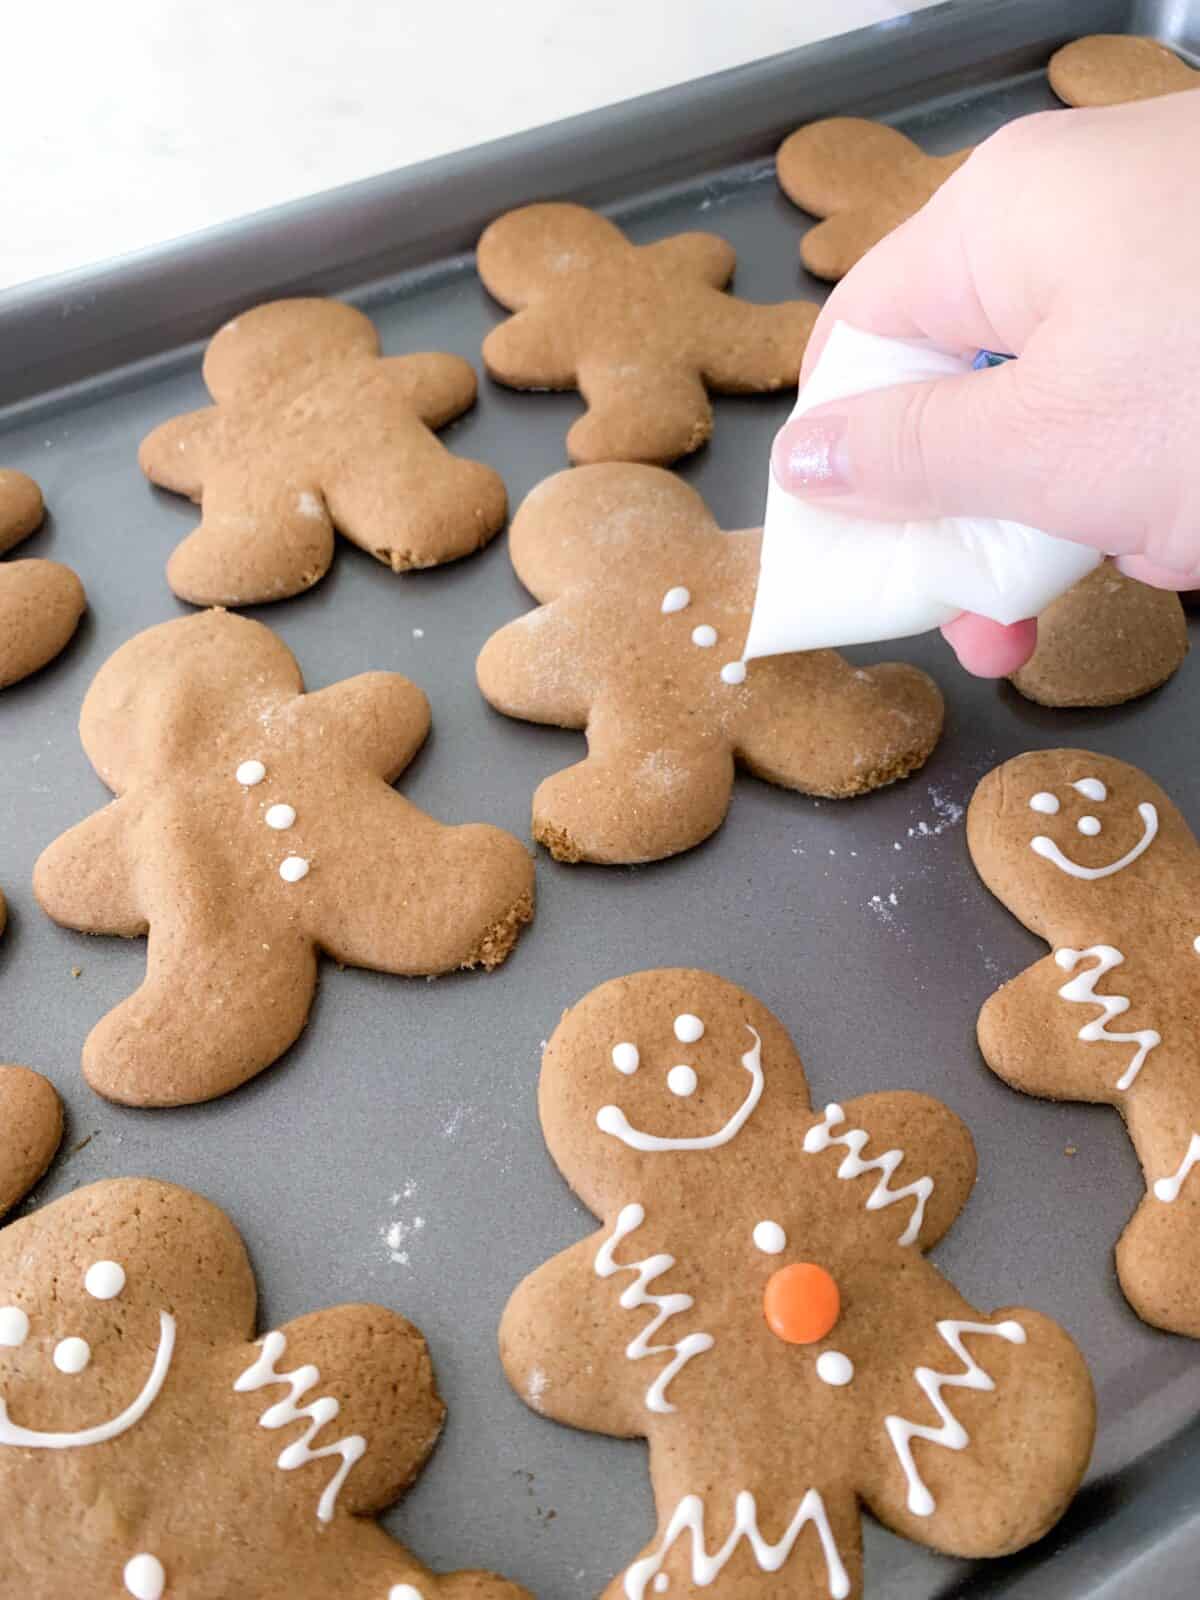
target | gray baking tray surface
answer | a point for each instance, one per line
(394, 1154)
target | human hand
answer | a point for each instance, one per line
(1072, 240)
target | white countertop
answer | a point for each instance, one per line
(131, 122)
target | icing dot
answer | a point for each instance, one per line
(705, 636)
(769, 1237)
(1046, 804)
(625, 1058)
(404, 1591)
(834, 1368)
(1089, 825)
(676, 599)
(1090, 789)
(145, 1578)
(1196, 944)
(733, 672)
(681, 1081)
(250, 773)
(280, 816)
(661, 1583)
(72, 1355)
(293, 868)
(688, 1028)
(14, 1327)
(104, 1280)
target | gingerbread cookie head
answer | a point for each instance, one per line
(863, 178)
(644, 332)
(314, 431)
(129, 1379)
(31, 1123)
(646, 605)
(1108, 69)
(758, 1264)
(254, 825)
(41, 602)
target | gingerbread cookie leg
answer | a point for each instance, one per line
(670, 418)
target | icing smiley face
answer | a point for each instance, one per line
(682, 1081)
(1045, 803)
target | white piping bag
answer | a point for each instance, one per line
(828, 578)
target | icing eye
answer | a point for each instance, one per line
(250, 773)
(834, 1368)
(681, 1081)
(1090, 789)
(1045, 804)
(705, 636)
(14, 1327)
(104, 1280)
(1090, 825)
(625, 1058)
(688, 1028)
(675, 599)
(72, 1355)
(769, 1237)
(145, 1577)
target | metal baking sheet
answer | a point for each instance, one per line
(394, 1154)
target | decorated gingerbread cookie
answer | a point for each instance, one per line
(255, 826)
(313, 431)
(1091, 855)
(1107, 640)
(644, 332)
(756, 1304)
(150, 1449)
(41, 602)
(863, 178)
(645, 607)
(31, 1125)
(1107, 69)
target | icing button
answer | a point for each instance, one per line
(801, 1303)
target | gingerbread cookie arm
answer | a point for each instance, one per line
(41, 603)
(532, 351)
(175, 455)
(815, 723)
(31, 1124)
(531, 669)
(437, 386)
(830, 248)
(22, 508)
(748, 349)
(666, 417)
(87, 879)
(697, 255)
(377, 720)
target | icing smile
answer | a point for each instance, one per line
(29, 1439)
(1046, 848)
(611, 1119)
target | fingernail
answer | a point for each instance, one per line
(809, 456)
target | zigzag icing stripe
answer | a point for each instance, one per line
(1167, 1189)
(1081, 990)
(665, 1305)
(821, 1137)
(952, 1435)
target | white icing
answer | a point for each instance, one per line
(1196, 944)
(769, 1237)
(681, 1080)
(72, 1355)
(705, 636)
(145, 1578)
(14, 1327)
(308, 505)
(250, 773)
(676, 599)
(834, 1368)
(952, 1435)
(293, 868)
(1167, 1189)
(1049, 851)
(262, 1374)
(404, 1591)
(688, 1517)
(280, 816)
(611, 1119)
(1045, 803)
(29, 1439)
(104, 1280)
(688, 1029)
(1090, 789)
(1090, 826)
(665, 1307)
(1082, 990)
(733, 673)
(820, 1137)
(662, 1583)
(626, 1058)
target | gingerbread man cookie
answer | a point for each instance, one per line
(31, 1124)
(645, 607)
(1091, 855)
(255, 826)
(863, 178)
(1108, 69)
(150, 1450)
(1107, 640)
(757, 1306)
(314, 431)
(644, 332)
(41, 602)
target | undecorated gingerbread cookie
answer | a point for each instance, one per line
(150, 1449)
(645, 607)
(31, 1124)
(757, 1305)
(1091, 855)
(41, 602)
(314, 431)
(863, 178)
(1107, 640)
(1107, 69)
(254, 827)
(644, 332)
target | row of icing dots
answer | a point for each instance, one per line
(280, 817)
(704, 636)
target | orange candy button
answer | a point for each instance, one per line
(801, 1303)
